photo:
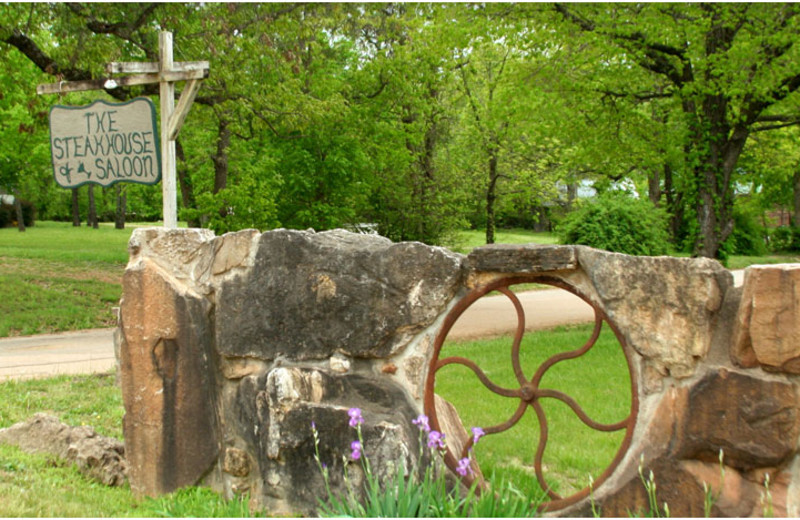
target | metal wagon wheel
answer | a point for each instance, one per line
(529, 392)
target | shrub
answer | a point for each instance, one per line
(748, 236)
(785, 239)
(617, 222)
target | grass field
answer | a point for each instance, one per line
(55, 277)
(39, 485)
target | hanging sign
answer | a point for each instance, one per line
(105, 143)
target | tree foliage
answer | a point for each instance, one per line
(421, 118)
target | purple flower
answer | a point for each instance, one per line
(464, 467)
(436, 440)
(477, 433)
(355, 417)
(355, 447)
(422, 423)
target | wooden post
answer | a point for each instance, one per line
(166, 72)
(168, 166)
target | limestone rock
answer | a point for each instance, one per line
(309, 295)
(455, 434)
(520, 259)
(755, 422)
(768, 324)
(102, 458)
(293, 398)
(167, 383)
(175, 250)
(665, 306)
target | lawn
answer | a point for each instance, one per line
(55, 277)
(39, 485)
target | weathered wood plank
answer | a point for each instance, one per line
(133, 67)
(182, 109)
(123, 81)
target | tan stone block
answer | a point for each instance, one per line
(768, 322)
(169, 424)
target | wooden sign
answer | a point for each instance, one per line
(105, 143)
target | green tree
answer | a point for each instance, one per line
(727, 66)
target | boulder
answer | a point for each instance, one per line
(664, 306)
(167, 381)
(755, 422)
(295, 398)
(102, 458)
(311, 295)
(768, 323)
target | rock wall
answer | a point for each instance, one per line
(231, 346)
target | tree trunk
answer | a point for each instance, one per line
(122, 207)
(491, 198)
(674, 205)
(91, 220)
(654, 187)
(221, 157)
(76, 209)
(796, 214)
(572, 194)
(187, 192)
(18, 209)
(220, 160)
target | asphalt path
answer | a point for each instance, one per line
(92, 351)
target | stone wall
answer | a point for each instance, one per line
(231, 346)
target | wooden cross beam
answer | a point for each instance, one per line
(166, 72)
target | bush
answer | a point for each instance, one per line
(748, 236)
(784, 239)
(617, 222)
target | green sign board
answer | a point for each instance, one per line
(105, 143)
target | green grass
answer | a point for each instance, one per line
(40, 485)
(55, 277)
(740, 262)
(598, 381)
(59, 241)
(93, 400)
(467, 240)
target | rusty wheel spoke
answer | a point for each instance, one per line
(491, 430)
(571, 354)
(505, 392)
(520, 332)
(555, 394)
(537, 461)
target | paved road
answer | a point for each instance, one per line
(80, 352)
(92, 351)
